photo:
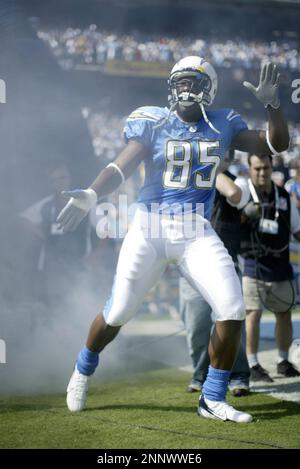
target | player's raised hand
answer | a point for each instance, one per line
(77, 208)
(267, 91)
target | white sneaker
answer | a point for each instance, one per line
(220, 410)
(76, 391)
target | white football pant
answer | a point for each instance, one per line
(201, 258)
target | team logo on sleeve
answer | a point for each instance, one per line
(232, 115)
(140, 114)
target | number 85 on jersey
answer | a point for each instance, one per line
(184, 159)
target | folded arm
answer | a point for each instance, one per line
(236, 192)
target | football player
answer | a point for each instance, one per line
(181, 147)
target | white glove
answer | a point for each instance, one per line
(76, 209)
(267, 91)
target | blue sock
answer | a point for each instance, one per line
(87, 361)
(215, 386)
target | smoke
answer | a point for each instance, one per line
(41, 124)
(42, 343)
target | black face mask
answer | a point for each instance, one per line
(193, 85)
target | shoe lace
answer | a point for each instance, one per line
(80, 386)
(229, 407)
(223, 408)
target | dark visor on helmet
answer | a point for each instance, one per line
(196, 83)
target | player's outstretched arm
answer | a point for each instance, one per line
(276, 139)
(107, 181)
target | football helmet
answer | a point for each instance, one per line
(192, 80)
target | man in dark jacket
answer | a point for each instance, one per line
(269, 219)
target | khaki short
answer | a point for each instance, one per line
(260, 295)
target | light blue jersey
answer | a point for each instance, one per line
(183, 157)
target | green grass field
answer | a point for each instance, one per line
(147, 410)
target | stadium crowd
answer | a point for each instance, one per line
(91, 45)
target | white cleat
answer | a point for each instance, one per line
(220, 410)
(76, 391)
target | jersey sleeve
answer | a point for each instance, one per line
(139, 127)
(237, 124)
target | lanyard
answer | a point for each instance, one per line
(257, 201)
